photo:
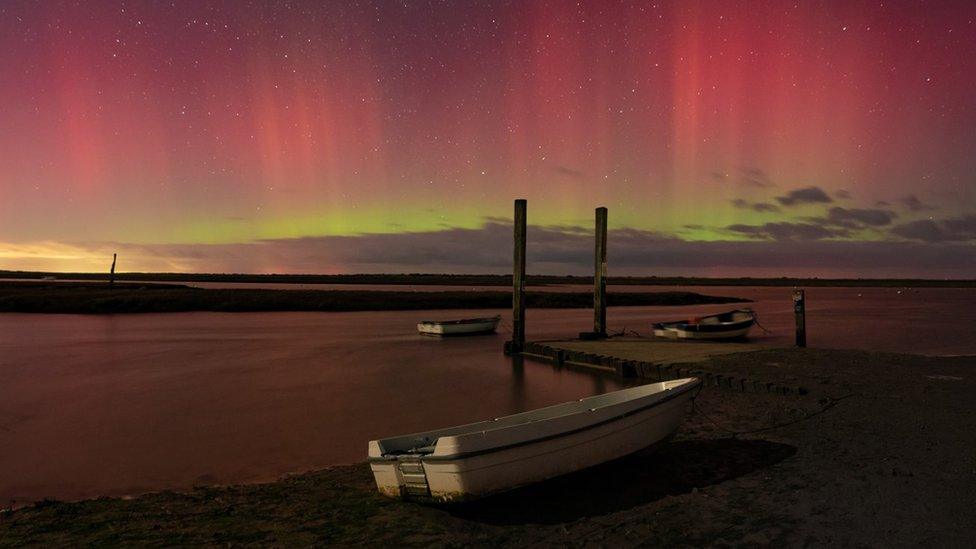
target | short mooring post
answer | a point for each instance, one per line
(799, 310)
(599, 275)
(518, 281)
(111, 273)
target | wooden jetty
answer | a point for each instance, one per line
(657, 360)
(654, 359)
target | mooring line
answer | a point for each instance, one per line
(831, 402)
(507, 326)
(755, 316)
(625, 332)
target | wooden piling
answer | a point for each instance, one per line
(111, 273)
(799, 311)
(518, 280)
(599, 275)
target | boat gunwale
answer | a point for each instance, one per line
(685, 325)
(706, 328)
(484, 320)
(670, 394)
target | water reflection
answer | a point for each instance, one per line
(518, 383)
(118, 404)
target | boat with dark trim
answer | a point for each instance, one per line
(726, 325)
(464, 326)
(479, 459)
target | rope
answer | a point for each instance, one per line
(507, 326)
(755, 316)
(831, 402)
(625, 332)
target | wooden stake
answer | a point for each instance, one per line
(111, 274)
(518, 280)
(599, 275)
(799, 310)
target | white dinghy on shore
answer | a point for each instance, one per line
(472, 461)
(465, 326)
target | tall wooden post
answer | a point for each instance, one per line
(518, 279)
(111, 273)
(799, 311)
(599, 275)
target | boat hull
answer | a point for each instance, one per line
(442, 329)
(477, 476)
(678, 333)
(730, 325)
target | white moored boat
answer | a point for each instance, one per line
(728, 325)
(466, 326)
(472, 461)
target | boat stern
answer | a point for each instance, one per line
(384, 471)
(409, 478)
(387, 481)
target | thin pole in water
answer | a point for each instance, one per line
(518, 280)
(111, 273)
(799, 310)
(599, 275)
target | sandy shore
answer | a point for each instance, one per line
(882, 452)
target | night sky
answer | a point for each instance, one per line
(752, 138)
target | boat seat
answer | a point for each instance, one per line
(416, 450)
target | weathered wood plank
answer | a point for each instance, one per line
(518, 279)
(600, 274)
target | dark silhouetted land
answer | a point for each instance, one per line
(494, 280)
(100, 298)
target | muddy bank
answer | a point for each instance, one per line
(100, 298)
(880, 453)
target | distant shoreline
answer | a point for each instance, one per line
(128, 297)
(493, 280)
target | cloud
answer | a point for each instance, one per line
(963, 225)
(842, 194)
(913, 203)
(569, 172)
(854, 218)
(785, 231)
(765, 207)
(761, 207)
(925, 230)
(806, 195)
(754, 177)
(956, 229)
(772, 250)
(747, 176)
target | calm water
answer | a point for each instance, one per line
(130, 403)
